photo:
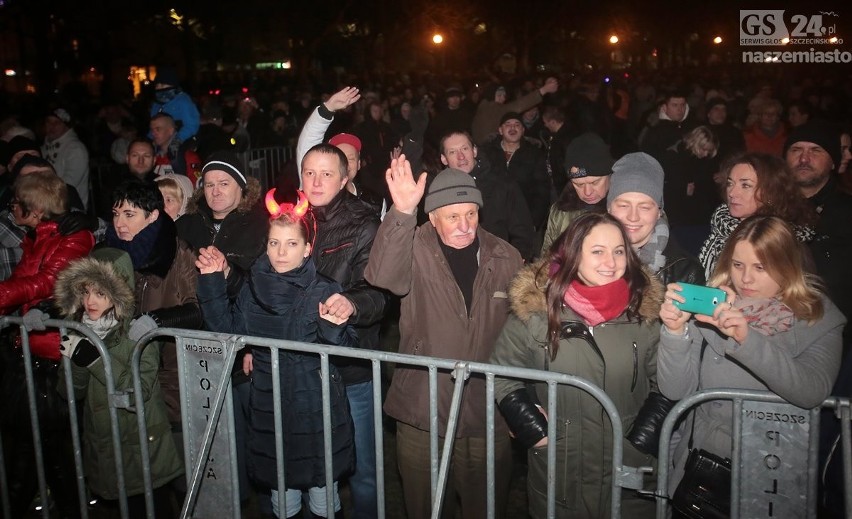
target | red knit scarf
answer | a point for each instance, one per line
(598, 304)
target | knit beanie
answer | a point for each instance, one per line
(823, 134)
(636, 173)
(452, 186)
(228, 162)
(588, 156)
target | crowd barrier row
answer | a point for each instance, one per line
(770, 456)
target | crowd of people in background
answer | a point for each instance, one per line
(544, 222)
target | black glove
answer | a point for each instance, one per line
(645, 432)
(524, 417)
(187, 315)
(82, 352)
(75, 221)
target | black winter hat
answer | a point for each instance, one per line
(823, 134)
(588, 156)
(228, 162)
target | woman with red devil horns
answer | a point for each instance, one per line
(282, 298)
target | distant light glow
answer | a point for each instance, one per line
(437, 39)
(613, 39)
(785, 40)
(717, 40)
(11, 72)
(833, 39)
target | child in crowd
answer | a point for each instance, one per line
(97, 292)
(282, 298)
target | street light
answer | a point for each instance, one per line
(717, 40)
(613, 39)
(437, 39)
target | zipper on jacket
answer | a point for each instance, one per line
(635, 366)
(337, 248)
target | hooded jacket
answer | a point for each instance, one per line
(620, 357)
(285, 306)
(112, 271)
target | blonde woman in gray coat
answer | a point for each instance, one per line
(776, 332)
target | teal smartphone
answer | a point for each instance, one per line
(700, 299)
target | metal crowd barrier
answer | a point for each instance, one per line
(265, 164)
(772, 442)
(205, 362)
(118, 400)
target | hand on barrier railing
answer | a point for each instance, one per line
(140, 326)
(34, 320)
(82, 352)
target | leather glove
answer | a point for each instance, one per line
(645, 432)
(75, 221)
(140, 326)
(82, 352)
(34, 320)
(523, 417)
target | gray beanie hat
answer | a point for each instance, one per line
(636, 173)
(452, 186)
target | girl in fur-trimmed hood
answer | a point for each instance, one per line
(97, 292)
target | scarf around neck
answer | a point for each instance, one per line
(651, 254)
(153, 248)
(101, 326)
(722, 225)
(599, 304)
(766, 315)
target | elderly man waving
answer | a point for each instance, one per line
(452, 277)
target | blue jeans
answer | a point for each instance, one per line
(362, 483)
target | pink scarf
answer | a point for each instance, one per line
(598, 304)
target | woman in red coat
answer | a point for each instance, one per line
(40, 203)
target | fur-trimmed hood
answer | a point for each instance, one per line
(527, 293)
(250, 198)
(108, 268)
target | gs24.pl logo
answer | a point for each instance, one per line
(770, 27)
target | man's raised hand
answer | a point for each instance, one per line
(404, 190)
(342, 99)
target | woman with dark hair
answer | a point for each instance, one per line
(757, 184)
(587, 309)
(776, 331)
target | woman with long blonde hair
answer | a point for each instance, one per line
(776, 331)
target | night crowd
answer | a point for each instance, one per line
(545, 222)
